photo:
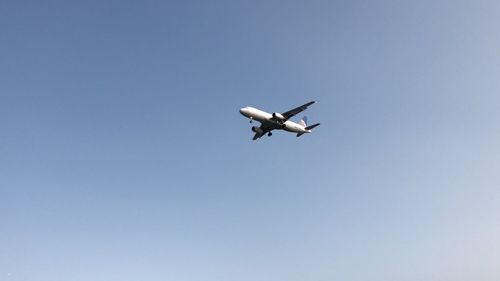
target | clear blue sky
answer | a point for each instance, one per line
(123, 155)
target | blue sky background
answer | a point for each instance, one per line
(123, 155)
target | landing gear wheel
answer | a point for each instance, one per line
(269, 134)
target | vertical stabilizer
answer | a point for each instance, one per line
(303, 121)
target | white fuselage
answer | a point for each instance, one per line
(267, 120)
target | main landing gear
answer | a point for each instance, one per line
(269, 134)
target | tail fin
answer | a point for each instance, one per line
(312, 126)
(303, 121)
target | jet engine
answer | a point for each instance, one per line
(257, 130)
(278, 116)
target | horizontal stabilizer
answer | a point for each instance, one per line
(312, 126)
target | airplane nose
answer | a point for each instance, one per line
(243, 110)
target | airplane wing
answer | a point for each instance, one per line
(289, 114)
(257, 136)
(262, 131)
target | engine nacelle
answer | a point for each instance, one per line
(257, 130)
(278, 116)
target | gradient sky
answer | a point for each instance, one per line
(123, 155)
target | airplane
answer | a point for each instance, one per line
(278, 121)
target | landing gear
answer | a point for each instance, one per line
(269, 134)
(251, 119)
